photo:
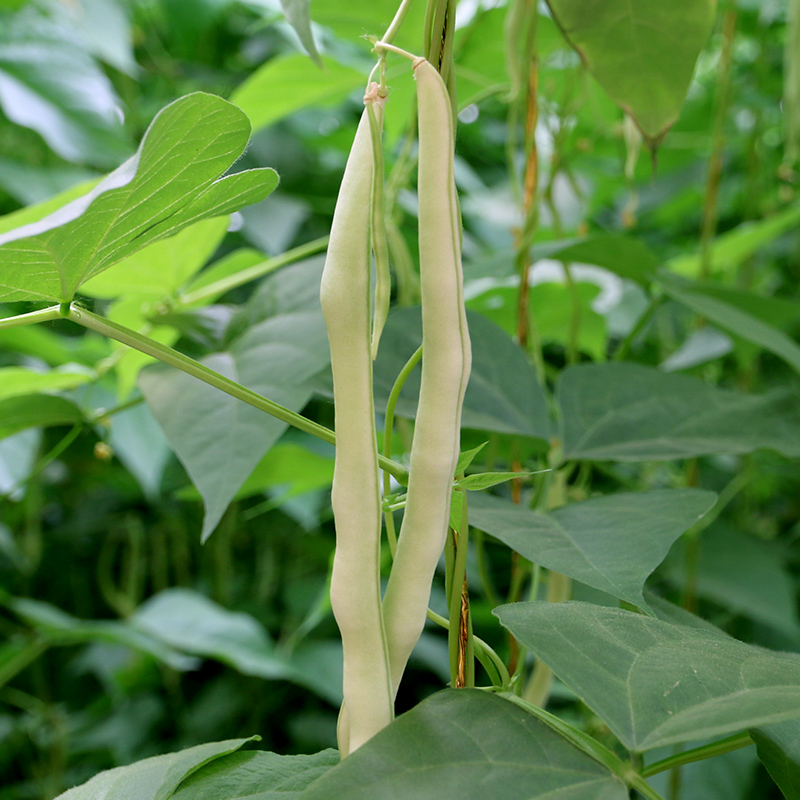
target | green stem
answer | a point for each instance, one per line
(491, 662)
(590, 746)
(388, 429)
(43, 315)
(454, 598)
(735, 742)
(197, 370)
(259, 270)
(395, 24)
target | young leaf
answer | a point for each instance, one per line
(483, 480)
(467, 457)
(172, 182)
(612, 543)
(298, 16)
(653, 682)
(448, 745)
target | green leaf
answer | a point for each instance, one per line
(734, 247)
(655, 683)
(16, 381)
(219, 439)
(186, 620)
(154, 778)
(623, 255)
(745, 575)
(503, 393)
(299, 17)
(56, 627)
(466, 457)
(778, 748)
(612, 543)
(256, 776)
(289, 83)
(17, 459)
(172, 182)
(36, 411)
(483, 480)
(736, 321)
(628, 412)
(466, 743)
(48, 82)
(643, 54)
(157, 271)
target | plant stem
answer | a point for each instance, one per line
(395, 24)
(709, 223)
(492, 662)
(735, 742)
(388, 428)
(641, 324)
(259, 270)
(194, 368)
(43, 315)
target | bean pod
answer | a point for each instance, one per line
(446, 360)
(356, 499)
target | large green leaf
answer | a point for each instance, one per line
(256, 776)
(503, 393)
(779, 750)
(154, 778)
(172, 181)
(628, 412)
(653, 682)
(48, 82)
(612, 542)
(219, 439)
(471, 745)
(642, 53)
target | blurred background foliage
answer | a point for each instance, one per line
(122, 636)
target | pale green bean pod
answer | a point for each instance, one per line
(356, 498)
(446, 361)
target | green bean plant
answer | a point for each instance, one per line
(555, 501)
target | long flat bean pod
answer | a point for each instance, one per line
(446, 364)
(356, 499)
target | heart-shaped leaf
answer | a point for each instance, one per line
(653, 682)
(171, 182)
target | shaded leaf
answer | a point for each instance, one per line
(737, 321)
(653, 682)
(16, 381)
(503, 394)
(629, 412)
(219, 439)
(643, 54)
(452, 743)
(186, 620)
(778, 748)
(612, 543)
(154, 778)
(172, 181)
